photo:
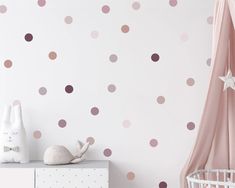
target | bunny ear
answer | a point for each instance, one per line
(18, 113)
(6, 115)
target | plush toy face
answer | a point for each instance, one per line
(11, 136)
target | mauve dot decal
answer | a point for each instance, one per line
(8, 63)
(94, 34)
(37, 134)
(173, 3)
(208, 62)
(126, 123)
(130, 176)
(184, 37)
(68, 19)
(191, 126)
(107, 152)
(52, 55)
(136, 5)
(62, 123)
(94, 111)
(111, 88)
(42, 91)
(41, 3)
(162, 184)
(210, 20)
(105, 9)
(125, 28)
(153, 142)
(113, 58)
(3, 9)
(155, 57)
(68, 89)
(28, 37)
(190, 81)
(161, 100)
(91, 140)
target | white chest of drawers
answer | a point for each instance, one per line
(87, 174)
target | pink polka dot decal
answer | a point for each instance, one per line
(94, 111)
(153, 142)
(173, 3)
(107, 152)
(130, 176)
(28, 37)
(3, 9)
(155, 57)
(68, 19)
(126, 123)
(161, 100)
(191, 126)
(68, 89)
(190, 81)
(91, 140)
(136, 5)
(62, 123)
(111, 88)
(37, 134)
(162, 184)
(210, 20)
(113, 58)
(105, 9)
(42, 91)
(125, 28)
(8, 63)
(52, 55)
(94, 34)
(41, 3)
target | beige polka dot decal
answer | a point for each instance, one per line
(91, 140)
(125, 28)
(190, 81)
(105, 9)
(52, 55)
(8, 64)
(136, 5)
(68, 19)
(37, 134)
(42, 91)
(111, 88)
(3, 9)
(126, 123)
(113, 58)
(161, 100)
(130, 176)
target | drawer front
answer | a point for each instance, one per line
(17, 177)
(72, 178)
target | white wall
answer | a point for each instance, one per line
(180, 35)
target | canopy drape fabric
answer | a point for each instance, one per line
(215, 143)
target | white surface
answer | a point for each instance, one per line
(16, 178)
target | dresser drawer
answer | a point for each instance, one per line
(72, 178)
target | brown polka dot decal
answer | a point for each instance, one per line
(113, 58)
(155, 57)
(28, 37)
(3, 9)
(161, 100)
(153, 142)
(105, 9)
(68, 19)
(91, 140)
(52, 55)
(107, 152)
(68, 89)
(190, 81)
(62, 123)
(94, 111)
(162, 184)
(125, 28)
(191, 126)
(130, 176)
(111, 88)
(42, 91)
(8, 63)
(37, 134)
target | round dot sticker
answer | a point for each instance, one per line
(3, 9)
(107, 152)
(91, 140)
(42, 91)
(153, 142)
(52, 55)
(41, 3)
(8, 63)
(208, 62)
(28, 37)
(62, 123)
(68, 89)
(162, 184)
(161, 100)
(155, 57)
(68, 19)
(126, 123)
(37, 134)
(210, 20)
(136, 5)
(111, 88)
(173, 3)
(105, 9)
(130, 176)
(190, 81)
(113, 58)
(94, 34)
(94, 111)
(125, 28)
(191, 126)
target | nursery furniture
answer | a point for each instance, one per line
(87, 174)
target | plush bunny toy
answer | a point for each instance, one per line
(13, 142)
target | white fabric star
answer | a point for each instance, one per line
(229, 80)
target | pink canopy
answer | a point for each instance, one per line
(215, 143)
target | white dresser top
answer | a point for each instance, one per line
(40, 164)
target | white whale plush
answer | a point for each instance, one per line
(13, 142)
(58, 155)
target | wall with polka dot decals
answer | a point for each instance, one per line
(130, 77)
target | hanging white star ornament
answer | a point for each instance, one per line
(229, 80)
